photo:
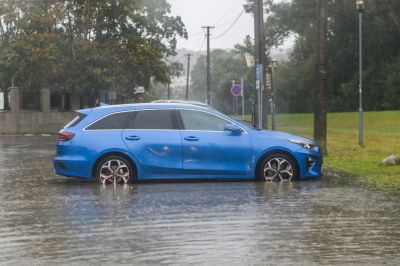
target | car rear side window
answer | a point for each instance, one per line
(75, 121)
(113, 121)
(152, 119)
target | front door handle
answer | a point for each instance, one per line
(191, 138)
(132, 138)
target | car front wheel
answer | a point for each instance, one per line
(278, 167)
(114, 170)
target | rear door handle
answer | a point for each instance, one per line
(191, 138)
(132, 138)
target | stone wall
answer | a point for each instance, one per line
(17, 121)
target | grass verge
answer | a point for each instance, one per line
(381, 139)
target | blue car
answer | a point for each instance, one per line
(172, 141)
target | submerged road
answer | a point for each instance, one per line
(46, 219)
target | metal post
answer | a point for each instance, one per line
(169, 91)
(242, 85)
(273, 98)
(236, 105)
(187, 76)
(360, 111)
(233, 100)
(260, 99)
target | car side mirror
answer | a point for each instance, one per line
(233, 128)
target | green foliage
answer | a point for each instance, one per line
(381, 52)
(85, 46)
(392, 92)
(225, 67)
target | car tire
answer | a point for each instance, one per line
(114, 169)
(278, 166)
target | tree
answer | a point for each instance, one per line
(86, 46)
(381, 47)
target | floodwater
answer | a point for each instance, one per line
(46, 219)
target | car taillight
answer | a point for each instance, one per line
(65, 136)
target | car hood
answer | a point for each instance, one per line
(282, 135)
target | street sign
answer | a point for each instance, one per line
(139, 90)
(258, 76)
(268, 81)
(249, 60)
(236, 90)
(258, 72)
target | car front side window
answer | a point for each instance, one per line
(196, 120)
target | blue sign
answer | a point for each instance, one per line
(236, 90)
(258, 72)
(258, 76)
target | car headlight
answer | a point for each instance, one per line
(305, 144)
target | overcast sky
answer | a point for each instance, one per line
(218, 13)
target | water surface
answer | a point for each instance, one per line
(46, 219)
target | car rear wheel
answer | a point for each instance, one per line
(114, 170)
(279, 167)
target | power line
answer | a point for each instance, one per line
(195, 34)
(202, 44)
(230, 27)
(225, 14)
(181, 37)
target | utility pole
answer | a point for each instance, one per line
(208, 64)
(259, 36)
(321, 86)
(187, 76)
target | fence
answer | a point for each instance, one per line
(15, 120)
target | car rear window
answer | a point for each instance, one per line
(113, 121)
(75, 121)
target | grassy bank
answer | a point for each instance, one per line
(381, 138)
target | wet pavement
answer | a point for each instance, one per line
(47, 219)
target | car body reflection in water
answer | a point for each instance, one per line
(46, 219)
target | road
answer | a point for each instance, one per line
(46, 219)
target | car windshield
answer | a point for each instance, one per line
(243, 122)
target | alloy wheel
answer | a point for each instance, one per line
(278, 167)
(114, 171)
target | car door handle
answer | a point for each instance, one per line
(132, 138)
(191, 138)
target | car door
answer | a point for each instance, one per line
(207, 149)
(155, 144)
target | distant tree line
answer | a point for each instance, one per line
(295, 79)
(87, 45)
